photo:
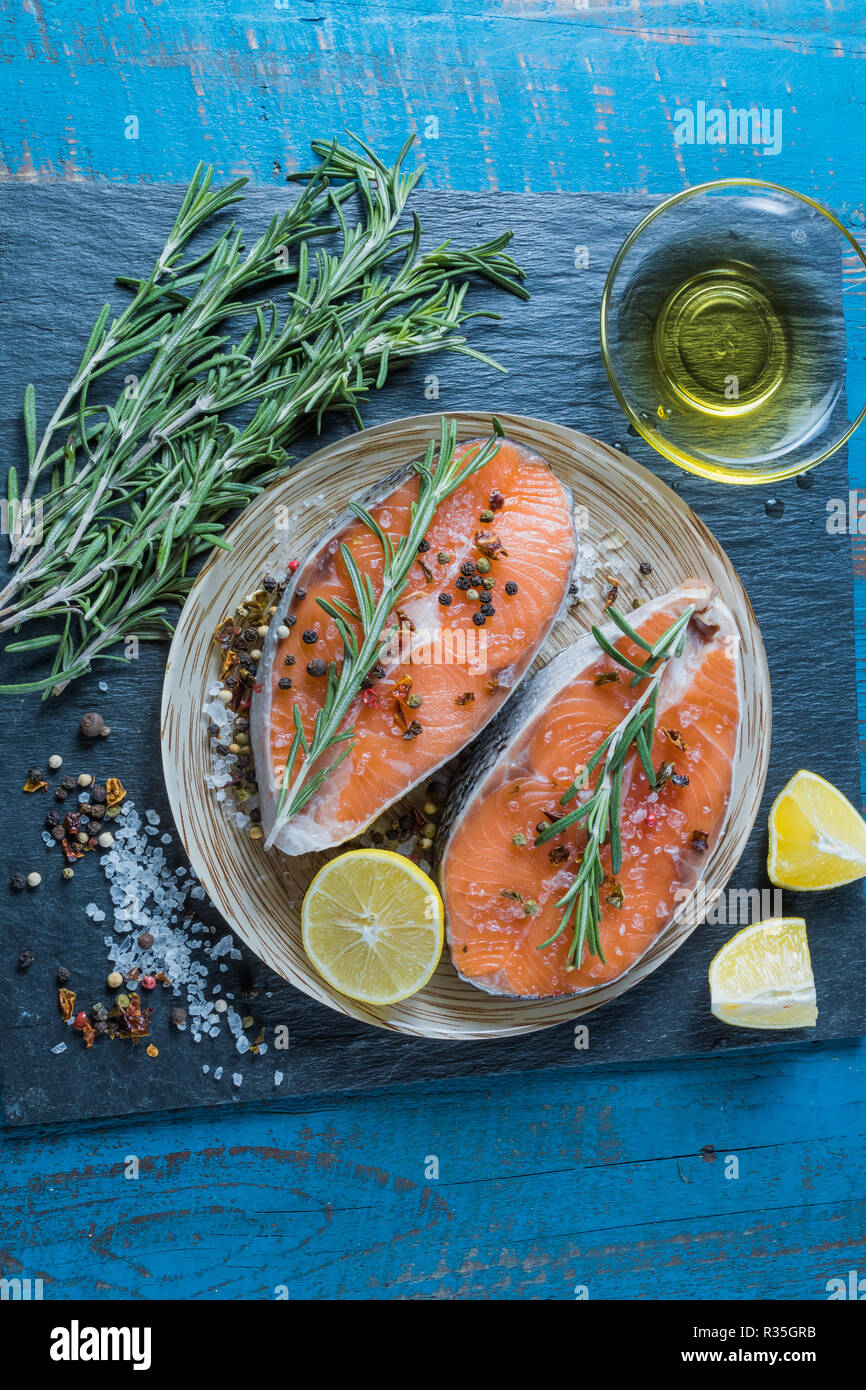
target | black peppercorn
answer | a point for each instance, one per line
(423, 547)
(487, 609)
(60, 793)
(25, 960)
(178, 1016)
(289, 661)
(467, 568)
(291, 620)
(17, 882)
(310, 637)
(511, 587)
(58, 833)
(645, 567)
(269, 583)
(461, 582)
(98, 793)
(285, 683)
(35, 774)
(317, 667)
(52, 819)
(68, 783)
(479, 619)
(62, 975)
(445, 599)
(256, 816)
(300, 593)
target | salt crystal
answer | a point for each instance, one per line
(152, 817)
(242, 1044)
(165, 839)
(278, 1078)
(103, 685)
(237, 1077)
(206, 1068)
(218, 1071)
(58, 1048)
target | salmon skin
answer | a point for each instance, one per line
(515, 777)
(445, 676)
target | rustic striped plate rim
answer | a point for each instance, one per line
(630, 515)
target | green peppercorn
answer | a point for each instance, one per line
(518, 838)
(414, 701)
(486, 516)
(443, 557)
(483, 565)
(428, 830)
(489, 583)
(530, 907)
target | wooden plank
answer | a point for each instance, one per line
(525, 106)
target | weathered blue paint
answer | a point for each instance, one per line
(543, 1183)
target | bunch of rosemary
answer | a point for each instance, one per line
(133, 492)
(439, 475)
(581, 904)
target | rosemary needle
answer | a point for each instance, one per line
(235, 350)
(581, 904)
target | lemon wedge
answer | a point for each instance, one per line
(762, 977)
(373, 925)
(817, 838)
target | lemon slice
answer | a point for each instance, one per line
(372, 925)
(762, 977)
(817, 838)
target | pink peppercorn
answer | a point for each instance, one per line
(79, 1020)
(148, 982)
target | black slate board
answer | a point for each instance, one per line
(59, 249)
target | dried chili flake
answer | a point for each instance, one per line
(512, 895)
(490, 545)
(467, 698)
(33, 784)
(606, 678)
(559, 854)
(676, 739)
(66, 1000)
(413, 730)
(491, 683)
(700, 841)
(497, 501)
(369, 697)
(616, 896)
(115, 791)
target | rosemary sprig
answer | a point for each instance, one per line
(581, 904)
(134, 493)
(366, 629)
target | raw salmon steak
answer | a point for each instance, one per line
(450, 668)
(489, 866)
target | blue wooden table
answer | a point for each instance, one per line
(622, 1182)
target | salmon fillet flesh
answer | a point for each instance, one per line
(489, 867)
(446, 675)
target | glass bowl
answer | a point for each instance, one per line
(724, 335)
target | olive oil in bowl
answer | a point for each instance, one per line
(724, 335)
